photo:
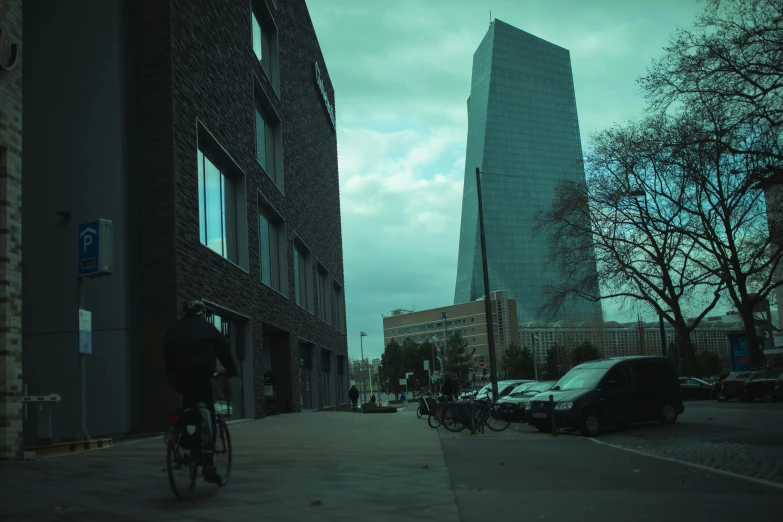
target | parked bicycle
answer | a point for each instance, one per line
(183, 454)
(456, 416)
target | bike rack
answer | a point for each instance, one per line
(45, 404)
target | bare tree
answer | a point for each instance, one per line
(728, 217)
(731, 57)
(722, 79)
(635, 238)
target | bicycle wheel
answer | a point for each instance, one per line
(418, 412)
(452, 422)
(178, 460)
(222, 455)
(497, 419)
(434, 419)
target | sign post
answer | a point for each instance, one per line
(94, 258)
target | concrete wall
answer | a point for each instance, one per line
(10, 231)
(76, 161)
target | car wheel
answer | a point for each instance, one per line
(768, 396)
(591, 423)
(668, 414)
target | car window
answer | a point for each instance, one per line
(621, 375)
(581, 379)
(653, 374)
(743, 376)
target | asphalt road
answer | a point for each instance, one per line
(540, 477)
(756, 417)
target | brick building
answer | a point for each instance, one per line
(205, 132)
(10, 227)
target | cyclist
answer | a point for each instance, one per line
(192, 348)
(450, 388)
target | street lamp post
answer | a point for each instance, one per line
(535, 363)
(432, 365)
(362, 335)
(445, 317)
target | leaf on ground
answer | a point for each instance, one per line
(425, 467)
(316, 503)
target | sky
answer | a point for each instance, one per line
(401, 74)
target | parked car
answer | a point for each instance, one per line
(618, 390)
(733, 386)
(693, 388)
(764, 385)
(521, 395)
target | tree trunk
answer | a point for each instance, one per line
(754, 351)
(687, 353)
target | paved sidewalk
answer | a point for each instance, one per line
(311, 466)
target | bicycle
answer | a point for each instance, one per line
(184, 423)
(450, 415)
(494, 416)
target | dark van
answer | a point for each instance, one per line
(615, 391)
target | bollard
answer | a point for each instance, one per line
(472, 419)
(44, 415)
(552, 414)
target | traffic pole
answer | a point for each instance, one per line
(493, 371)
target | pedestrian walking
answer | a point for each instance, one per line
(353, 394)
(404, 399)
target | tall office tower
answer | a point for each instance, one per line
(523, 133)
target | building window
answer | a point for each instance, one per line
(326, 378)
(265, 42)
(324, 299)
(303, 277)
(272, 251)
(221, 206)
(269, 140)
(342, 383)
(338, 308)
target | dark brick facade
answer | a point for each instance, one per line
(196, 64)
(11, 231)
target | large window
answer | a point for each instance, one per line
(268, 139)
(272, 251)
(342, 380)
(324, 297)
(303, 278)
(265, 41)
(217, 207)
(338, 308)
(326, 378)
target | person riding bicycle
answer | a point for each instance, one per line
(450, 388)
(192, 348)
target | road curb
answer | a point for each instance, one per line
(763, 482)
(66, 448)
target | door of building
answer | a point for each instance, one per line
(306, 375)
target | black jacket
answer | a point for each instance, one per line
(194, 345)
(353, 394)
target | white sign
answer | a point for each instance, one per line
(324, 95)
(85, 332)
(426, 365)
(85, 321)
(404, 381)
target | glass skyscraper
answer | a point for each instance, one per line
(523, 133)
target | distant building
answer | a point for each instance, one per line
(614, 339)
(523, 133)
(467, 319)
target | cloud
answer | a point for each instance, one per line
(401, 73)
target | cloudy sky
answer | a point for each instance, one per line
(401, 74)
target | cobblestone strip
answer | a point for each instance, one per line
(735, 451)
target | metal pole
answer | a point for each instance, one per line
(432, 368)
(487, 302)
(663, 337)
(83, 435)
(364, 371)
(535, 358)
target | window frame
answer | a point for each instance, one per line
(303, 275)
(269, 61)
(277, 251)
(264, 110)
(323, 291)
(233, 199)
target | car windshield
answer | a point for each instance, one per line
(540, 387)
(519, 390)
(581, 379)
